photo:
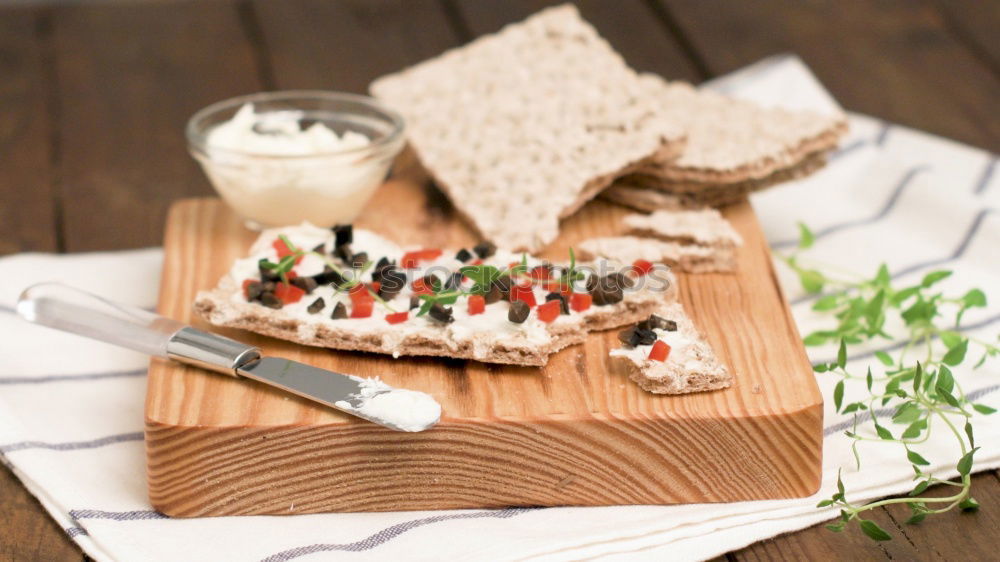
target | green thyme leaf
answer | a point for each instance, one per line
(934, 277)
(882, 432)
(984, 409)
(836, 527)
(838, 395)
(956, 354)
(806, 237)
(915, 458)
(884, 358)
(842, 355)
(812, 280)
(945, 380)
(969, 504)
(964, 465)
(873, 531)
(920, 488)
(969, 434)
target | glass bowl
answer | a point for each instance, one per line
(326, 187)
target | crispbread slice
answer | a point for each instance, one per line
(522, 127)
(733, 141)
(648, 193)
(690, 258)
(691, 366)
(467, 337)
(704, 227)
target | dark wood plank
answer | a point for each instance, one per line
(130, 75)
(975, 23)
(633, 27)
(345, 45)
(26, 531)
(27, 217)
(892, 58)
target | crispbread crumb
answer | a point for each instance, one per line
(690, 258)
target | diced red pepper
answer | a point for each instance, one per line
(660, 351)
(375, 286)
(360, 292)
(246, 287)
(283, 250)
(477, 305)
(478, 262)
(557, 287)
(421, 287)
(540, 273)
(291, 275)
(397, 317)
(288, 293)
(362, 308)
(580, 301)
(523, 293)
(549, 311)
(411, 259)
(642, 267)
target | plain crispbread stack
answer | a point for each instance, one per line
(733, 147)
(700, 241)
(691, 365)
(522, 127)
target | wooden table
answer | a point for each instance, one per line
(93, 99)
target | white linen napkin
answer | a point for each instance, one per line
(71, 409)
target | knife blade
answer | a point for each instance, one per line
(73, 310)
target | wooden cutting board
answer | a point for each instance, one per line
(576, 432)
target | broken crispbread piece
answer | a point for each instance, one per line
(522, 127)
(690, 364)
(344, 316)
(690, 258)
(732, 141)
(704, 227)
(648, 193)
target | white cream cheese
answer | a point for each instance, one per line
(273, 171)
(406, 410)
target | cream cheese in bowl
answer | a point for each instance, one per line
(286, 157)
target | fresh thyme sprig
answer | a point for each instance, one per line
(921, 389)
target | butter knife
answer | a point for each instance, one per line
(76, 311)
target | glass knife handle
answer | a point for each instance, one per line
(76, 311)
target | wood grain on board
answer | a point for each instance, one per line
(575, 432)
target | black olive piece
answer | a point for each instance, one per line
(454, 281)
(392, 283)
(629, 337)
(603, 296)
(655, 322)
(485, 249)
(619, 280)
(266, 274)
(493, 295)
(270, 300)
(563, 303)
(359, 260)
(463, 255)
(320, 248)
(344, 234)
(442, 314)
(328, 276)
(432, 281)
(646, 337)
(503, 285)
(307, 284)
(591, 283)
(339, 311)
(381, 266)
(344, 253)
(270, 286)
(316, 306)
(254, 290)
(518, 312)
(414, 302)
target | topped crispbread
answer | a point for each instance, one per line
(319, 306)
(731, 140)
(522, 127)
